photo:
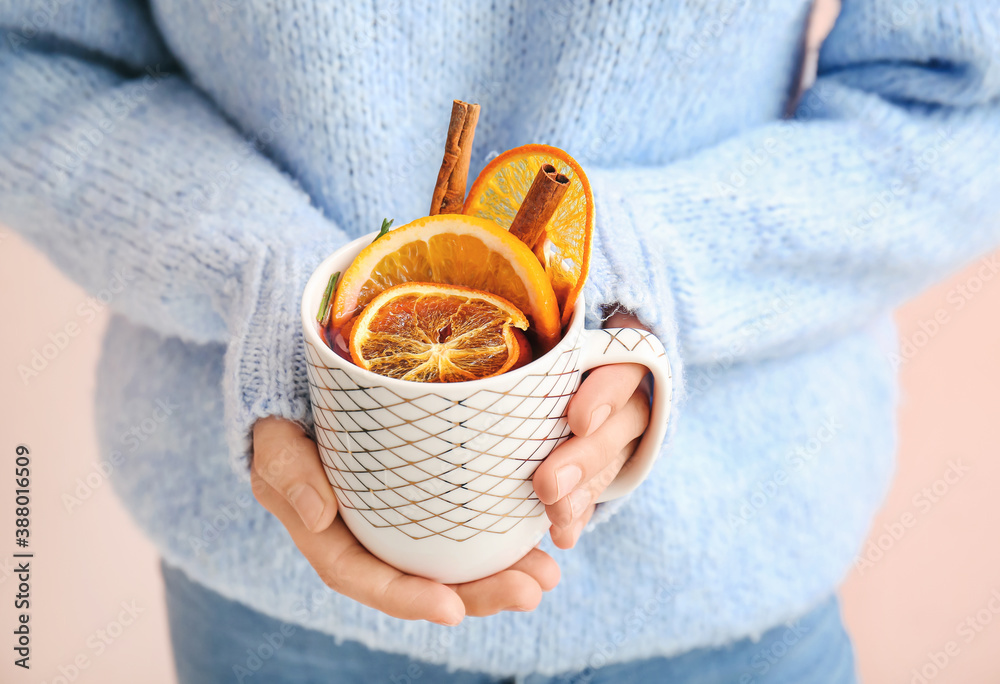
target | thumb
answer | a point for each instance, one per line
(286, 459)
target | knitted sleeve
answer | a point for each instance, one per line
(787, 236)
(122, 173)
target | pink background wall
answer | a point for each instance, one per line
(907, 605)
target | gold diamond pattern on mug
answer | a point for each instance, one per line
(630, 339)
(472, 475)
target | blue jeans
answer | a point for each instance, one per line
(211, 636)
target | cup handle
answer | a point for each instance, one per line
(633, 345)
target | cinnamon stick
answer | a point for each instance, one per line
(449, 192)
(544, 195)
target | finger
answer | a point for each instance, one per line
(496, 593)
(623, 318)
(285, 457)
(578, 459)
(566, 511)
(606, 390)
(507, 590)
(566, 537)
(349, 569)
(540, 566)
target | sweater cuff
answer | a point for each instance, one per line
(623, 273)
(265, 373)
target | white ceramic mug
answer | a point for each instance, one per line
(435, 478)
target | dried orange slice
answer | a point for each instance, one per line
(526, 354)
(452, 249)
(498, 192)
(427, 332)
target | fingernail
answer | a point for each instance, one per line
(449, 622)
(308, 504)
(597, 418)
(567, 477)
(578, 501)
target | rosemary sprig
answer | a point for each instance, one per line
(326, 306)
(386, 224)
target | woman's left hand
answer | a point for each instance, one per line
(607, 415)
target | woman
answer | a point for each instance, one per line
(216, 150)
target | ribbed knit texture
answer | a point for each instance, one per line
(215, 151)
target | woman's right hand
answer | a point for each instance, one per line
(289, 481)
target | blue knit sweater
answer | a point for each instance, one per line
(212, 152)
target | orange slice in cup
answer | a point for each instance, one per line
(526, 354)
(452, 249)
(498, 191)
(428, 332)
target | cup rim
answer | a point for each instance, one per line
(311, 331)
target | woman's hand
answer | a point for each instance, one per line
(289, 481)
(607, 415)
